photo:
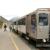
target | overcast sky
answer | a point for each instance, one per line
(14, 8)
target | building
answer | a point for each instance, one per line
(3, 21)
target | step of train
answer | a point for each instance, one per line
(43, 45)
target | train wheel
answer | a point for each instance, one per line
(33, 42)
(23, 35)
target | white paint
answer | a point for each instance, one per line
(22, 28)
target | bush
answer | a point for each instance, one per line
(1, 23)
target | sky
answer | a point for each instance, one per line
(17, 8)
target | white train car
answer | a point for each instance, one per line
(35, 26)
(21, 26)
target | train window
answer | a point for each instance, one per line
(33, 19)
(14, 23)
(21, 22)
(43, 19)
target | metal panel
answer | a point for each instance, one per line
(42, 31)
(22, 28)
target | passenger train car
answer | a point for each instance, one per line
(35, 26)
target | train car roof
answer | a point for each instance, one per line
(34, 12)
(43, 9)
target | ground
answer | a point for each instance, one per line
(11, 41)
(5, 41)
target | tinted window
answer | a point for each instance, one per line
(33, 19)
(43, 19)
(21, 22)
(14, 23)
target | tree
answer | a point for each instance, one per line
(1, 23)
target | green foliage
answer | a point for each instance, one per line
(1, 23)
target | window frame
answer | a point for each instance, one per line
(42, 23)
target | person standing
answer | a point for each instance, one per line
(5, 27)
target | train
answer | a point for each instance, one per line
(35, 26)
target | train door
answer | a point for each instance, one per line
(33, 26)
